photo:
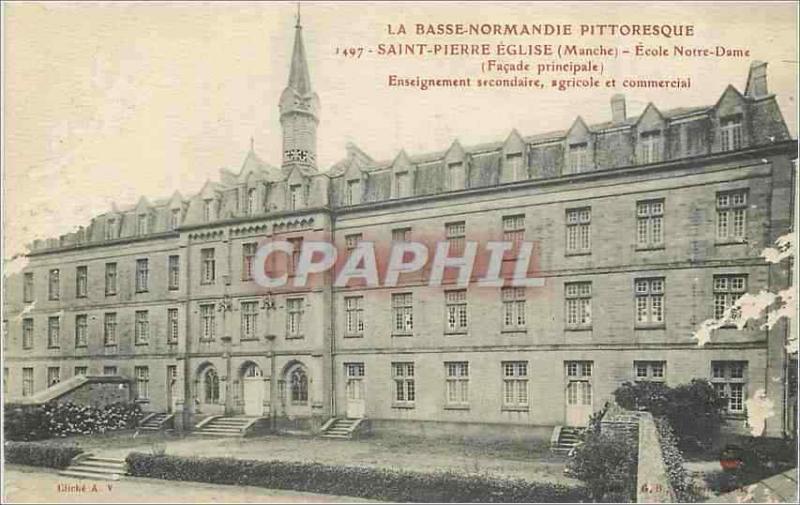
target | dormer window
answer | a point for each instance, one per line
(730, 131)
(141, 224)
(207, 209)
(455, 176)
(578, 157)
(353, 196)
(402, 185)
(251, 201)
(175, 219)
(514, 169)
(111, 229)
(295, 196)
(650, 146)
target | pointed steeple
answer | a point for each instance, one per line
(299, 79)
(299, 108)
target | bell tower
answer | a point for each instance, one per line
(299, 109)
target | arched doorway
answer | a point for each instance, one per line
(253, 390)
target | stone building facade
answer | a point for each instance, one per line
(643, 227)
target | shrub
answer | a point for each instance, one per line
(40, 454)
(64, 419)
(364, 482)
(607, 463)
(679, 479)
(694, 410)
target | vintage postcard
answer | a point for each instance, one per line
(399, 252)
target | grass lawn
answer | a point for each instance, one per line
(503, 459)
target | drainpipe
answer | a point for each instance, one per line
(332, 308)
(188, 397)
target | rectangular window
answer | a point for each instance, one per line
(111, 229)
(81, 281)
(513, 308)
(402, 184)
(248, 259)
(295, 196)
(578, 297)
(53, 332)
(404, 387)
(251, 201)
(456, 310)
(649, 295)
(208, 323)
(578, 157)
(651, 147)
(110, 328)
(209, 266)
(141, 330)
(80, 370)
(109, 370)
(354, 316)
(579, 223)
(514, 230)
(81, 330)
(174, 219)
(455, 176)
(730, 130)
(249, 320)
(401, 234)
(456, 237)
(294, 317)
(579, 369)
(294, 260)
(729, 380)
(141, 224)
(515, 385)
(402, 314)
(54, 288)
(53, 376)
(727, 291)
(27, 333)
(515, 170)
(27, 287)
(351, 241)
(208, 210)
(174, 272)
(111, 279)
(142, 374)
(654, 371)
(650, 224)
(732, 215)
(27, 381)
(172, 326)
(457, 383)
(142, 275)
(353, 192)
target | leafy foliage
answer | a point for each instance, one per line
(64, 419)
(694, 410)
(607, 463)
(364, 482)
(679, 479)
(40, 454)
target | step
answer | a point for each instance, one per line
(207, 434)
(220, 430)
(106, 459)
(104, 465)
(88, 475)
(330, 435)
(98, 471)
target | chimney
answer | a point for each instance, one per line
(618, 108)
(757, 80)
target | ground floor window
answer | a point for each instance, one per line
(515, 384)
(404, 386)
(298, 386)
(729, 380)
(142, 374)
(211, 386)
(654, 371)
(27, 381)
(457, 383)
(53, 376)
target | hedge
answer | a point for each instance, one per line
(64, 419)
(39, 454)
(362, 482)
(679, 478)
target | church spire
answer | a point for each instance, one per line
(299, 108)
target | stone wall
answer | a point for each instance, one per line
(652, 479)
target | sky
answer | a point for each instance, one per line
(106, 102)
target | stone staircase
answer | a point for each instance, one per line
(219, 426)
(340, 427)
(564, 439)
(156, 421)
(96, 467)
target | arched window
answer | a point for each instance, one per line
(211, 382)
(251, 201)
(252, 370)
(298, 381)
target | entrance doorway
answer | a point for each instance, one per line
(253, 390)
(579, 394)
(354, 373)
